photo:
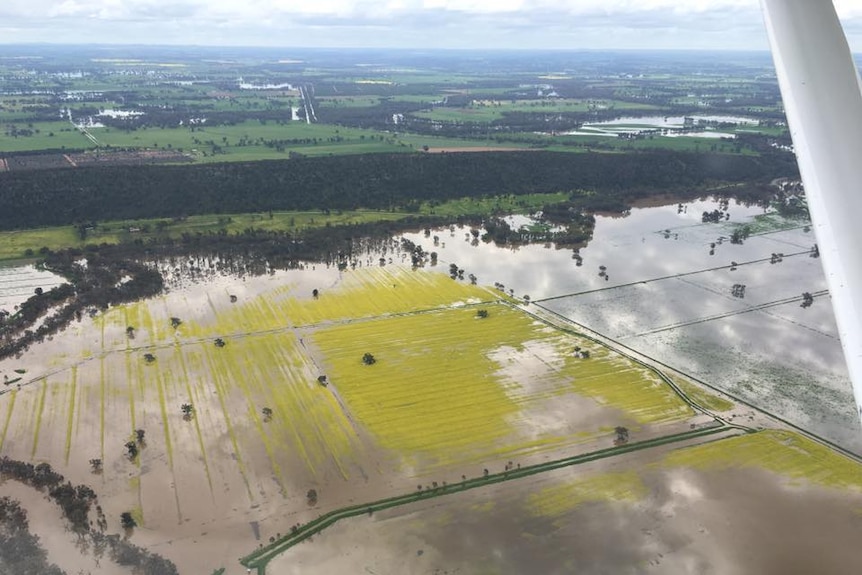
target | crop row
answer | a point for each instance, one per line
(449, 385)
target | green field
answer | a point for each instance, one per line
(27, 243)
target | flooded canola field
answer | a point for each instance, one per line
(376, 380)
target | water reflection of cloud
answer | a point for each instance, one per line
(783, 342)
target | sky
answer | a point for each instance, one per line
(498, 24)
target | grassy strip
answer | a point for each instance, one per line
(131, 386)
(9, 409)
(160, 386)
(102, 407)
(193, 399)
(261, 557)
(221, 393)
(15, 245)
(39, 410)
(71, 419)
(702, 397)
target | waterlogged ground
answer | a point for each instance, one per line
(667, 292)
(771, 502)
(18, 283)
(450, 393)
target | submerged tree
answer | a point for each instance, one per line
(188, 410)
(127, 521)
(622, 435)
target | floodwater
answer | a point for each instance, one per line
(659, 281)
(673, 121)
(633, 125)
(729, 521)
(17, 283)
(668, 293)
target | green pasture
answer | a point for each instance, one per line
(27, 243)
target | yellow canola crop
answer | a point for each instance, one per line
(558, 499)
(438, 388)
(271, 371)
(783, 452)
(360, 293)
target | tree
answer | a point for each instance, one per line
(139, 436)
(176, 322)
(219, 342)
(321, 379)
(267, 414)
(368, 359)
(622, 435)
(311, 496)
(149, 358)
(130, 332)
(482, 313)
(188, 410)
(314, 293)
(96, 465)
(132, 449)
(127, 521)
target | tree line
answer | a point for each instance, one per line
(20, 551)
(371, 181)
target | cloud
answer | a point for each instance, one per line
(400, 23)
